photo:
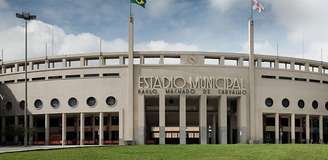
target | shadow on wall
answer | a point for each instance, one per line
(10, 106)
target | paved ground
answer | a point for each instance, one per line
(31, 148)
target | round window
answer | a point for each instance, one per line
(326, 105)
(38, 104)
(91, 101)
(285, 103)
(269, 102)
(110, 101)
(22, 105)
(301, 103)
(72, 102)
(9, 106)
(54, 103)
(315, 104)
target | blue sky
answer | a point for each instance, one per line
(205, 25)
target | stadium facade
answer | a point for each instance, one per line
(177, 98)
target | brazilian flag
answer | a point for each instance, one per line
(141, 3)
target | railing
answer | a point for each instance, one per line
(165, 58)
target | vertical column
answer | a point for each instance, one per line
(30, 66)
(101, 61)
(46, 63)
(307, 67)
(63, 139)
(31, 127)
(162, 118)
(141, 119)
(101, 128)
(293, 127)
(203, 119)
(223, 119)
(81, 128)
(292, 65)
(241, 61)
(82, 61)
(242, 119)
(64, 63)
(320, 129)
(259, 63)
(16, 125)
(276, 63)
(46, 129)
(16, 68)
(142, 59)
(222, 60)
(183, 125)
(307, 121)
(161, 59)
(121, 59)
(121, 127)
(3, 69)
(276, 129)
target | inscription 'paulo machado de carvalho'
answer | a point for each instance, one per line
(182, 85)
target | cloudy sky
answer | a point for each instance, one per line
(191, 25)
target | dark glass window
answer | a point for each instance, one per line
(270, 121)
(105, 121)
(315, 104)
(110, 101)
(326, 105)
(284, 121)
(91, 101)
(54, 103)
(269, 102)
(301, 103)
(38, 104)
(9, 106)
(115, 135)
(88, 121)
(70, 122)
(115, 120)
(97, 121)
(72, 102)
(285, 103)
(22, 105)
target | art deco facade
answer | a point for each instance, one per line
(177, 97)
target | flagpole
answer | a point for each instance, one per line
(128, 112)
(251, 77)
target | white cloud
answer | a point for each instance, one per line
(158, 7)
(3, 4)
(222, 5)
(12, 41)
(263, 47)
(161, 45)
(306, 20)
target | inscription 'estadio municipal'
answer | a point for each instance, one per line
(182, 85)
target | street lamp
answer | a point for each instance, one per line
(27, 17)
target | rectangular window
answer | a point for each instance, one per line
(230, 62)
(112, 61)
(152, 60)
(171, 60)
(92, 62)
(115, 120)
(114, 135)
(211, 61)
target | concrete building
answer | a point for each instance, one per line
(177, 98)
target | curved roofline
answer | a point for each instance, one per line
(170, 53)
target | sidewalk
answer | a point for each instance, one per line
(32, 148)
